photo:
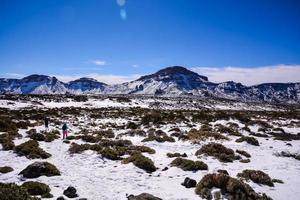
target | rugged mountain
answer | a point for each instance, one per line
(33, 84)
(86, 85)
(171, 81)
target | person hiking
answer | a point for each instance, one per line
(65, 130)
(46, 120)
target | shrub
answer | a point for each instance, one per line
(141, 162)
(288, 154)
(189, 165)
(136, 132)
(172, 155)
(232, 188)
(51, 136)
(142, 149)
(228, 130)
(6, 169)
(36, 188)
(37, 137)
(164, 138)
(90, 138)
(31, 150)
(201, 135)
(113, 143)
(259, 135)
(111, 154)
(7, 125)
(245, 160)
(244, 153)
(154, 117)
(7, 142)
(249, 140)
(284, 136)
(257, 177)
(78, 148)
(38, 169)
(132, 125)
(11, 191)
(105, 133)
(218, 151)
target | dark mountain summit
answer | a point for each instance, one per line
(173, 72)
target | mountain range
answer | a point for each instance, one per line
(170, 81)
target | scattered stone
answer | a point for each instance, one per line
(38, 169)
(189, 183)
(165, 169)
(60, 198)
(71, 192)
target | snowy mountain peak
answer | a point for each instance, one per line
(170, 81)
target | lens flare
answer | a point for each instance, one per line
(123, 14)
(121, 2)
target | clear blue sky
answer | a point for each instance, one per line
(68, 36)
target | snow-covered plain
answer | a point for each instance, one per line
(98, 178)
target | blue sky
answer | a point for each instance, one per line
(121, 39)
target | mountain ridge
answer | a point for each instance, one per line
(170, 81)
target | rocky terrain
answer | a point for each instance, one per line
(147, 147)
(172, 81)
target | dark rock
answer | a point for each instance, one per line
(71, 192)
(60, 198)
(189, 183)
(165, 169)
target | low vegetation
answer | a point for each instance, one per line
(189, 165)
(31, 150)
(11, 191)
(222, 153)
(257, 176)
(249, 140)
(230, 187)
(141, 162)
(6, 169)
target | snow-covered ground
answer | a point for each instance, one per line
(98, 178)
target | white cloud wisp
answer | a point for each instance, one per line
(252, 76)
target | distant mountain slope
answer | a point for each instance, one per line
(170, 81)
